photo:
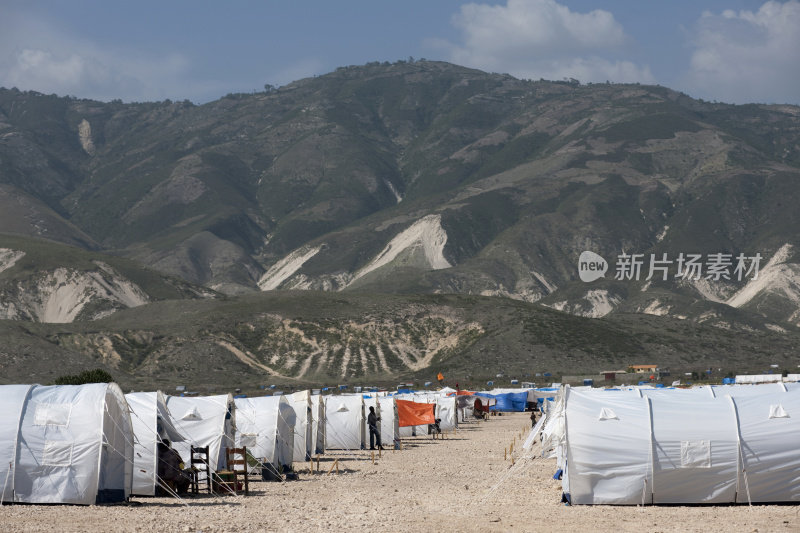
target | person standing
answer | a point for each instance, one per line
(374, 433)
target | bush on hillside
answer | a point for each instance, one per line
(98, 375)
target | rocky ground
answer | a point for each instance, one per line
(462, 483)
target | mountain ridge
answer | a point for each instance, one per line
(414, 178)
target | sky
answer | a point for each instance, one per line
(734, 51)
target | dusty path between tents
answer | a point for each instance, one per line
(458, 484)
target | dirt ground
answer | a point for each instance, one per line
(461, 483)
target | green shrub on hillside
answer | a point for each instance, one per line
(98, 375)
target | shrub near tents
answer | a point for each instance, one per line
(98, 375)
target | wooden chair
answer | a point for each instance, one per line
(200, 465)
(237, 464)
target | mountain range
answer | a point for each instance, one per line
(404, 179)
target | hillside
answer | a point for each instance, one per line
(43, 281)
(418, 177)
(307, 338)
(436, 213)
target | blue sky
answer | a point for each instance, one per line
(734, 51)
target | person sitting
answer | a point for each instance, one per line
(171, 475)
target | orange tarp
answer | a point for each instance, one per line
(414, 414)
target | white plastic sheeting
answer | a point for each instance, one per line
(65, 444)
(608, 461)
(266, 426)
(303, 425)
(447, 413)
(151, 423)
(204, 421)
(344, 423)
(390, 423)
(758, 378)
(681, 447)
(318, 430)
(12, 399)
(770, 452)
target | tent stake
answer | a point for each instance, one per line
(317, 463)
(505, 454)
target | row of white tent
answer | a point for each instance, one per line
(89, 444)
(752, 379)
(347, 427)
(705, 445)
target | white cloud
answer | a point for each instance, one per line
(36, 55)
(747, 56)
(543, 39)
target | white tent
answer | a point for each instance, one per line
(204, 421)
(65, 444)
(344, 423)
(758, 378)
(303, 425)
(151, 424)
(266, 426)
(687, 447)
(318, 430)
(446, 411)
(390, 423)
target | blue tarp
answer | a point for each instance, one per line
(508, 401)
